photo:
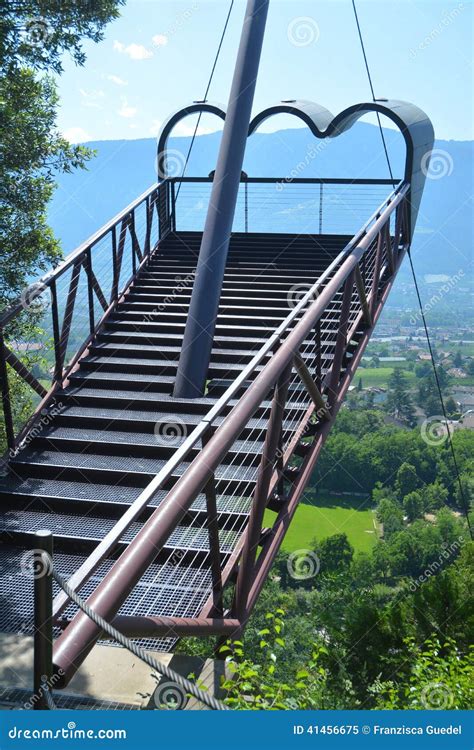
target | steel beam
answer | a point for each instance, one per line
(204, 305)
(74, 644)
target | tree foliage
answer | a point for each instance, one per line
(33, 38)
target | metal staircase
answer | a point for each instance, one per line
(116, 423)
(157, 503)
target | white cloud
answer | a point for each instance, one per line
(155, 127)
(76, 135)
(184, 129)
(126, 110)
(118, 81)
(160, 40)
(91, 98)
(134, 51)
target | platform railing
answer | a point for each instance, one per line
(290, 204)
(348, 297)
(44, 333)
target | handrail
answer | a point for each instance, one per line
(101, 551)
(46, 280)
(299, 180)
(79, 637)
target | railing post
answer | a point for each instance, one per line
(90, 290)
(376, 277)
(58, 363)
(260, 497)
(115, 281)
(6, 400)
(213, 536)
(320, 208)
(341, 341)
(43, 616)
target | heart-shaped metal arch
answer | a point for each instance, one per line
(413, 123)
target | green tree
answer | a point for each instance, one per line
(441, 677)
(33, 37)
(335, 553)
(434, 496)
(406, 480)
(457, 359)
(451, 406)
(413, 505)
(398, 402)
(390, 515)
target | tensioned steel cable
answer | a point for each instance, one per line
(371, 86)
(464, 502)
(205, 95)
(140, 653)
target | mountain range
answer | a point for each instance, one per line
(121, 170)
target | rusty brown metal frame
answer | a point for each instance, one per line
(81, 634)
(79, 261)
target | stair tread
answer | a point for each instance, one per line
(95, 527)
(121, 464)
(106, 494)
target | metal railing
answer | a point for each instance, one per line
(296, 394)
(290, 205)
(44, 678)
(45, 332)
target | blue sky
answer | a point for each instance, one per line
(158, 55)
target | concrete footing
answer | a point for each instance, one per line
(111, 674)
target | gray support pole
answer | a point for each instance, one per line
(200, 325)
(43, 621)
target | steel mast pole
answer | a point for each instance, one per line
(204, 305)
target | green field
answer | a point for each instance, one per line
(379, 376)
(325, 515)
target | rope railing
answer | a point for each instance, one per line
(45, 572)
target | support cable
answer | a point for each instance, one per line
(193, 138)
(371, 87)
(464, 500)
(140, 653)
